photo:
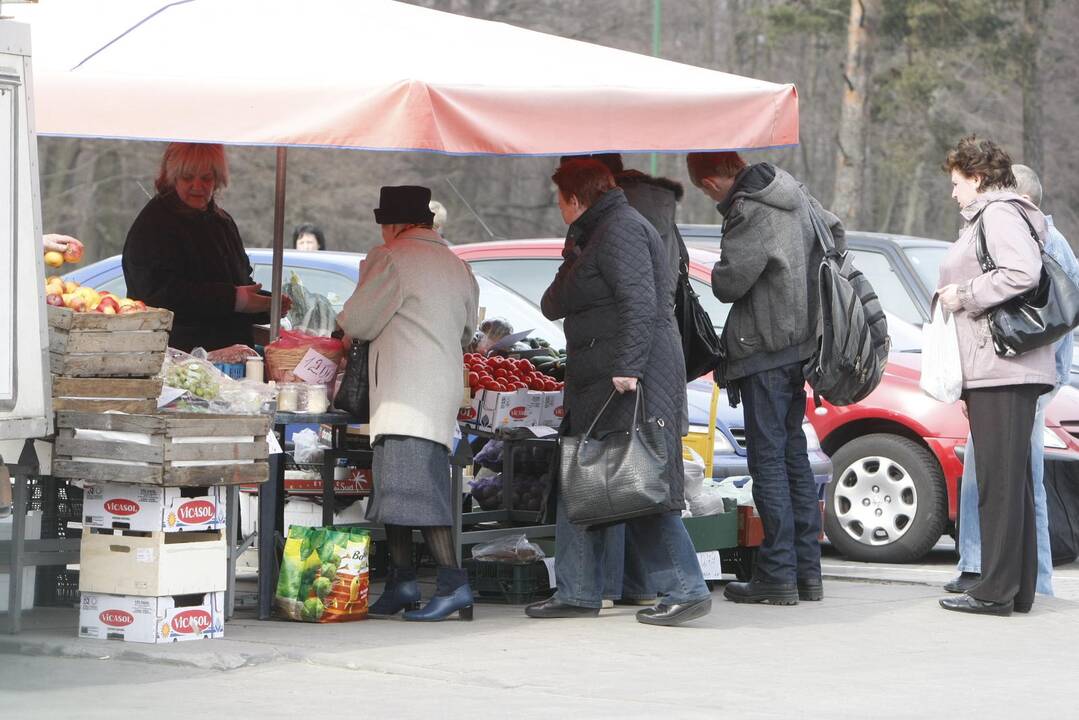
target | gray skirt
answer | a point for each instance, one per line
(411, 482)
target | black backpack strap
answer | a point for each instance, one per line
(820, 229)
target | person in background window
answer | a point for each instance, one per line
(185, 254)
(308, 237)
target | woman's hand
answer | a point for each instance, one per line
(949, 298)
(56, 243)
(624, 384)
(248, 299)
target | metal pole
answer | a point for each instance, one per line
(278, 243)
(657, 20)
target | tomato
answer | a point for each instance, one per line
(473, 378)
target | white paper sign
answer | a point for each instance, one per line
(711, 567)
(315, 368)
(549, 562)
(273, 447)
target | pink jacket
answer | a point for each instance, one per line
(1019, 265)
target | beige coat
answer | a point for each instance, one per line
(417, 304)
(1019, 265)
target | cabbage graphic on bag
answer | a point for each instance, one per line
(324, 575)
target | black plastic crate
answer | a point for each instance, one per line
(56, 586)
(60, 503)
(511, 583)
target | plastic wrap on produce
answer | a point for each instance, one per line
(193, 384)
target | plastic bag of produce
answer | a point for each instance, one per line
(486, 489)
(489, 333)
(285, 353)
(324, 575)
(192, 384)
(306, 447)
(311, 312)
(516, 548)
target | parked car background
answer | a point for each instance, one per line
(897, 454)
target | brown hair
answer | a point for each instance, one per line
(713, 164)
(196, 158)
(584, 179)
(984, 160)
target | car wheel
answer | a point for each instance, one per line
(887, 501)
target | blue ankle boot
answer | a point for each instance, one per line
(452, 596)
(402, 592)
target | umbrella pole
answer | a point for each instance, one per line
(278, 243)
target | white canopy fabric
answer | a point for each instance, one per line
(376, 75)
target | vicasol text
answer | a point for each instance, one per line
(191, 621)
(116, 618)
(196, 512)
(121, 506)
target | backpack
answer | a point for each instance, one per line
(853, 343)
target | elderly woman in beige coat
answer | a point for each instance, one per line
(1001, 393)
(416, 303)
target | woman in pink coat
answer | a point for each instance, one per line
(1001, 393)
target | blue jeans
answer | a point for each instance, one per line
(625, 576)
(784, 489)
(660, 542)
(970, 531)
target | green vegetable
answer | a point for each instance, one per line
(327, 551)
(311, 312)
(195, 377)
(312, 609)
(323, 586)
(329, 570)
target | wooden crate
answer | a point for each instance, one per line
(128, 395)
(163, 451)
(98, 345)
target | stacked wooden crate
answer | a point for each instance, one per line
(154, 553)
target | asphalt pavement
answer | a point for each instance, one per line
(875, 647)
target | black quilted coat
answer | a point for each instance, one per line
(614, 291)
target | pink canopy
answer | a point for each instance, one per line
(377, 75)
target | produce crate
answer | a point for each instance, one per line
(127, 395)
(98, 345)
(511, 583)
(713, 532)
(159, 450)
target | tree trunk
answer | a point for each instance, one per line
(851, 137)
(1031, 83)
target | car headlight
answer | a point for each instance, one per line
(1051, 440)
(812, 441)
(720, 445)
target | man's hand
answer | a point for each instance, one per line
(624, 384)
(949, 298)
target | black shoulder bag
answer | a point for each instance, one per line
(353, 396)
(1038, 317)
(700, 344)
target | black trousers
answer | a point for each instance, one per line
(1001, 421)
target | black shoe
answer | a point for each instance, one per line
(762, 592)
(811, 589)
(966, 603)
(552, 608)
(962, 582)
(675, 614)
(1023, 608)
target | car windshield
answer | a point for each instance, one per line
(926, 261)
(498, 301)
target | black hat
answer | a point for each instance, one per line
(404, 204)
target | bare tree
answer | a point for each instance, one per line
(849, 200)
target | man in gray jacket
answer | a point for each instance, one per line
(768, 271)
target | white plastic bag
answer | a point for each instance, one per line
(942, 369)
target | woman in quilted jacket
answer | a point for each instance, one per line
(1001, 393)
(614, 291)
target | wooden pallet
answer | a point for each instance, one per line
(160, 456)
(128, 395)
(98, 345)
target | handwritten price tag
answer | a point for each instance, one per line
(315, 368)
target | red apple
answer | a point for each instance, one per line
(108, 306)
(54, 300)
(73, 254)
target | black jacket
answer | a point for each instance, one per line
(768, 269)
(190, 261)
(614, 291)
(656, 199)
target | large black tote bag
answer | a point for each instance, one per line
(353, 396)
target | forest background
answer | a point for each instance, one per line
(885, 88)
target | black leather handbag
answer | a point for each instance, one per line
(353, 395)
(700, 344)
(619, 476)
(1038, 317)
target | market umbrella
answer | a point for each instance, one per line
(375, 75)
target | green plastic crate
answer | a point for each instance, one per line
(713, 532)
(511, 583)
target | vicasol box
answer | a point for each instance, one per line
(151, 508)
(152, 564)
(131, 618)
(520, 408)
(553, 409)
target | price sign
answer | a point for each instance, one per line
(315, 368)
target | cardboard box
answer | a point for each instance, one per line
(152, 564)
(151, 508)
(520, 408)
(471, 413)
(133, 618)
(553, 409)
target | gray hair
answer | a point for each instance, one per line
(440, 214)
(1027, 183)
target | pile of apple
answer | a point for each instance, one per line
(72, 254)
(501, 374)
(69, 294)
